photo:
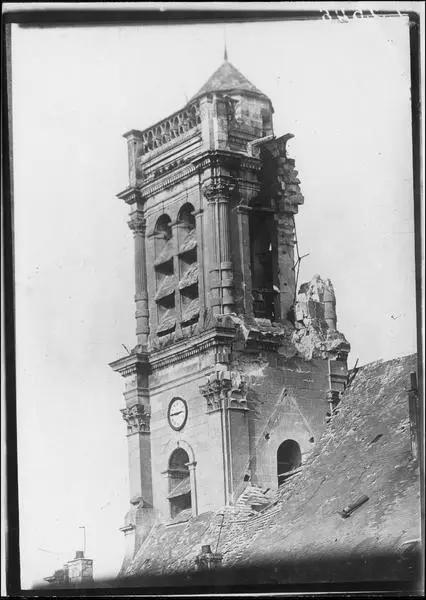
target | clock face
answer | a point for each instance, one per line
(177, 413)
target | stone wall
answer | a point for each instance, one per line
(364, 451)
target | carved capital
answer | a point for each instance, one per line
(137, 419)
(227, 390)
(137, 223)
(215, 392)
(220, 189)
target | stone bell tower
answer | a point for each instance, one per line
(230, 362)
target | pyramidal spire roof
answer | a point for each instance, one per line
(227, 78)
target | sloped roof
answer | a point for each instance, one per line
(364, 451)
(225, 79)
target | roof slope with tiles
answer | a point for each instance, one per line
(364, 451)
(227, 78)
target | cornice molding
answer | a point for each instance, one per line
(202, 162)
(225, 158)
(186, 348)
(131, 364)
(166, 181)
(131, 195)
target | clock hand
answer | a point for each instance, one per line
(176, 413)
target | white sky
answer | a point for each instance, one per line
(342, 89)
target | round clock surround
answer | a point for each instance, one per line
(177, 413)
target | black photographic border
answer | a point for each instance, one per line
(79, 16)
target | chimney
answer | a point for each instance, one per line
(80, 569)
(207, 560)
(76, 572)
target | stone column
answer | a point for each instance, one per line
(225, 253)
(194, 501)
(139, 448)
(226, 399)
(138, 225)
(176, 271)
(245, 258)
(218, 195)
(200, 259)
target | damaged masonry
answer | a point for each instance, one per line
(236, 368)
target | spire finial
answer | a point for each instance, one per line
(225, 49)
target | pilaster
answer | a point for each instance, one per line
(218, 194)
(244, 251)
(199, 228)
(135, 150)
(136, 414)
(137, 224)
(176, 270)
(225, 394)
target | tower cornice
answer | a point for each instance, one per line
(205, 160)
(131, 195)
(128, 365)
(186, 348)
(226, 158)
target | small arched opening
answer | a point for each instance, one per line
(179, 482)
(289, 458)
(186, 223)
(163, 233)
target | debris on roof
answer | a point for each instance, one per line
(349, 469)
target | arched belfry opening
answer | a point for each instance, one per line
(164, 276)
(289, 457)
(263, 266)
(188, 266)
(179, 482)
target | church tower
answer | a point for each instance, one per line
(234, 372)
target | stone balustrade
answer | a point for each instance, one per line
(172, 127)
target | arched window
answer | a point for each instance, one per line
(163, 232)
(289, 457)
(188, 265)
(186, 216)
(165, 278)
(179, 482)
